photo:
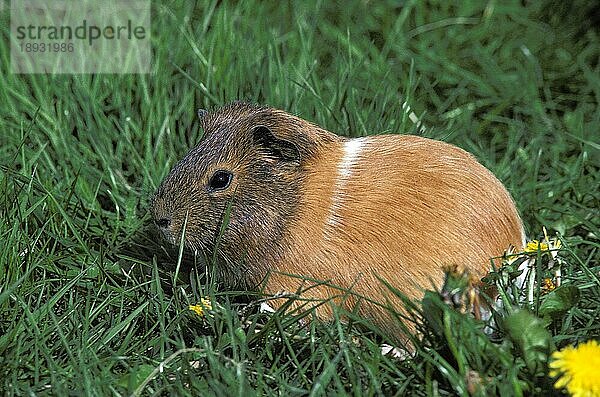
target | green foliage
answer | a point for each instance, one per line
(530, 336)
(559, 301)
(91, 304)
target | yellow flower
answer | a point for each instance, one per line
(534, 245)
(578, 369)
(201, 308)
(548, 285)
(546, 244)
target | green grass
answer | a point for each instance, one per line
(90, 305)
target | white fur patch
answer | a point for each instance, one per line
(395, 352)
(352, 151)
(266, 308)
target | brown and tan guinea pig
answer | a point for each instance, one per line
(351, 212)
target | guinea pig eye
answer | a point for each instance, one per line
(220, 180)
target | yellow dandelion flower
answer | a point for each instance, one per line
(534, 245)
(548, 285)
(204, 306)
(578, 369)
(553, 244)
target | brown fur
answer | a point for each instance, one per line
(408, 207)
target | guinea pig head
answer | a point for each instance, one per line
(234, 193)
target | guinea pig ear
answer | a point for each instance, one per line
(279, 148)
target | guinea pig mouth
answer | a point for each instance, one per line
(174, 238)
(167, 236)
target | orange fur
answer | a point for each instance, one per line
(409, 207)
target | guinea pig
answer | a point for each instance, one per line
(304, 205)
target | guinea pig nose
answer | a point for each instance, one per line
(163, 223)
